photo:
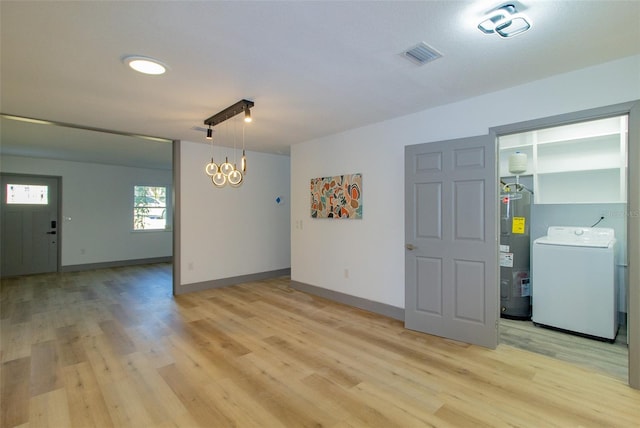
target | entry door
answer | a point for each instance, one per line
(30, 225)
(451, 266)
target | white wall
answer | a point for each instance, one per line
(228, 232)
(373, 248)
(99, 200)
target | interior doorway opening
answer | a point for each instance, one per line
(95, 225)
(576, 167)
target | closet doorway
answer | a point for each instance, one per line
(580, 168)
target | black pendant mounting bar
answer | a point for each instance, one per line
(229, 112)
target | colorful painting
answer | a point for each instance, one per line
(337, 197)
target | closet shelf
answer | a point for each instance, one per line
(577, 163)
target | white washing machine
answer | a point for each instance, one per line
(574, 281)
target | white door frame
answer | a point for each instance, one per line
(633, 206)
(176, 147)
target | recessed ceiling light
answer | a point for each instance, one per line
(144, 64)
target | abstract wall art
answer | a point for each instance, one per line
(339, 196)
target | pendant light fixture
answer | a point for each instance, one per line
(227, 172)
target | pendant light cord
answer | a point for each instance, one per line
(212, 152)
(235, 129)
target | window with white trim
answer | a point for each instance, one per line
(149, 208)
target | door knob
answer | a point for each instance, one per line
(410, 247)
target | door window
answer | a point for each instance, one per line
(27, 194)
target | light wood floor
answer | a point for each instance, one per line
(114, 348)
(609, 358)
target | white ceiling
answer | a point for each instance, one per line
(312, 68)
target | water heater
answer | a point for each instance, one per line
(515, 244)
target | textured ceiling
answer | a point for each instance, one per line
(312, 68)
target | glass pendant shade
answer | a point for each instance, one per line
(226, 167)
(235, 177)
(211, 168)
(219, 179)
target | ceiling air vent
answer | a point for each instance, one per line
(422, 53)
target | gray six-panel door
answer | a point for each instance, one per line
(451, 237)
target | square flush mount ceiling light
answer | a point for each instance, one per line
(505, 21)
